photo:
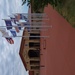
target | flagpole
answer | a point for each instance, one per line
(33, 18)
(36, 16)
(35, 29)
(43, 14)
(37, 22)
(28, 22)
(29, 26)
(26, 36)
(40, 19)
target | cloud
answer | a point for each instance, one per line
(10, 62)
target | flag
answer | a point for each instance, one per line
(13, 32)
(4, 34)
(19, 26)
(13, 19)
(3, 30)
(10, 40)
(17, 29)
(8, 24)
(21, 16)
(22, 21)
(15, 26)
(27, 24)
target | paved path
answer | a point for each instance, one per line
(58, 51)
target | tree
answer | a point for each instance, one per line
(26, 1)
(40, 4)
(65, 7)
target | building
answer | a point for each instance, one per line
(30, 52)
(57, 53)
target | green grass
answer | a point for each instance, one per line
(67, 10)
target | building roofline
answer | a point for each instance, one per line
(21, 50)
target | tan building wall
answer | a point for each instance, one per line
(31, 55)
(30, 51)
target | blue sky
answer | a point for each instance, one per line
(10, 62)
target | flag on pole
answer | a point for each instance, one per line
(27, 24)
(8, 24)
(4, 34)
(13, 19)
(22, 20)
(15, 26)
(17, 29)
(10, 40)
(21, 16)
(19, 26)
(13, 32)
(3, 30)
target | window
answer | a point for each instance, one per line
(33, 34)
(37, 73)
(32, 44)
(35, 67)
(33, 53)
(35, 62)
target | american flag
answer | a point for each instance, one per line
(5, 34)
(8, 24)
(10, 40)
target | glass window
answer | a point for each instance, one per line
(35, 67)
(33, 53)
(34, 62)
(33, 34)
(32, 44)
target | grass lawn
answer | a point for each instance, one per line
(67, 10)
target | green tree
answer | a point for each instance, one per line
(26, 1)
(40, 4)
(65, 7)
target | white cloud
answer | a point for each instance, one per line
(10, 62)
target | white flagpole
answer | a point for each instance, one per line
(40, 19)
(37, 22)
(27, 36)
(43, 14)
(28, 22)
(35, 18)
(29, 26)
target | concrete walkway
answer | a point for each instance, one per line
(57, 51)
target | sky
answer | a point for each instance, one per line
(10, 61)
